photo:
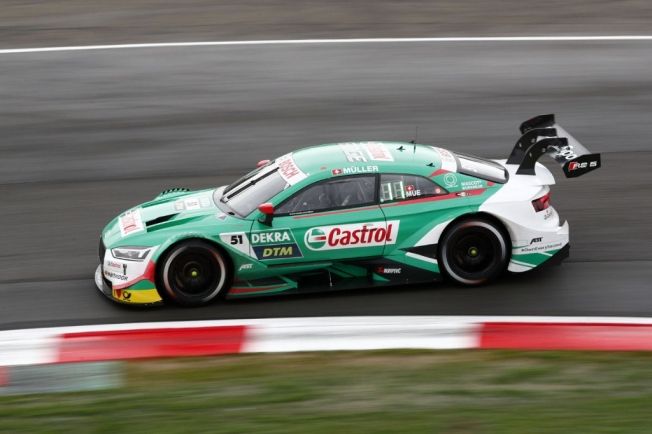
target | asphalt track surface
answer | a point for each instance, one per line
(84, 135)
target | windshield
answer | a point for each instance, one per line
(258, 186)
(246, 177)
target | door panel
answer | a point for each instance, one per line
(338, 218)
(326, 236)
(420, 204)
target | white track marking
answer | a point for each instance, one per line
(567, 38)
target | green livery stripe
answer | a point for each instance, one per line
(522, 263)
(414, 261)
(378, 278)
(143, 284)
(347, 270)
(263, 289)
(533, 259)
(256, 290)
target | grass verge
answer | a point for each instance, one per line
(382, 391)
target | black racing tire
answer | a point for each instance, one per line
(474, 252)
(193, 273)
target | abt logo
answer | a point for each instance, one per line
(351, 236)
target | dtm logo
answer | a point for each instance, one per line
(353, 235)
(274, 244)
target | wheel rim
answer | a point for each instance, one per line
(194, 273)
(474, 253)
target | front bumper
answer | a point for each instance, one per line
(101, 284)
(131, 295)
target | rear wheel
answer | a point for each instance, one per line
(193, 273)
(474, 252)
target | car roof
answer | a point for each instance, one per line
(379, 157)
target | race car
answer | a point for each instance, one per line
(346, 215)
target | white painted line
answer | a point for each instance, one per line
(567, 38)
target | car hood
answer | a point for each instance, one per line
(170, 208)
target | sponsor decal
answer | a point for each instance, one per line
(567, 152)
(448, 161)
(288, 169)
(353, 152)
(472, 185)
(547, 214)
(536, 240)
(113, 264)
(352, 235)
(248, 266)
(544, 248)
(271, 237)
(378, 151)
(274, 244)
(130, 222)
(353, 170)
(384, 270)
(450, 179)
(137, 296)
(111, 275)
(574, 165)
(191, 203)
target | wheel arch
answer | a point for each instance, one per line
(482, 215)
(167, 247)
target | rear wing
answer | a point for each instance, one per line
(542, 135)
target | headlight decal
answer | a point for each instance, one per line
(137, 254)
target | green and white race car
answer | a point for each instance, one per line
(346, 215)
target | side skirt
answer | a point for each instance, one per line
(340, 276)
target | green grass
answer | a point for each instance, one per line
(388, 391)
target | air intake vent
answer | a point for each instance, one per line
(159, 220)
(174, 191)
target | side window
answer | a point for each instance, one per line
(345, 192)
(406, 187)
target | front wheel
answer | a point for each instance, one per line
(473, 252)
(193, 273)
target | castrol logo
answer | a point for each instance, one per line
(352, 236)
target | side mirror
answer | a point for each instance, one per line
(268, 210)
(261, 163)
